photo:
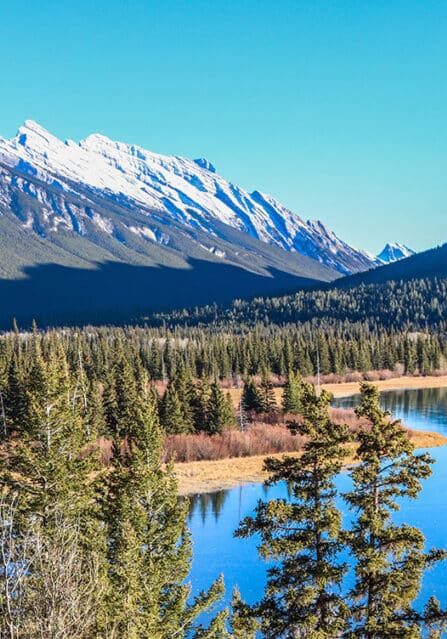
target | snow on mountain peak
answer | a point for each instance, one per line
(394, 251)
(190, 192)
(205, 164)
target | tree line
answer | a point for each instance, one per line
(303, 538)
(88, 552)
(339, 348)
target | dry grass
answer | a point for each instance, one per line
(257, 439)
(266, 434)
(209, 476)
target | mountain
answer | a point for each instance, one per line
(394, 251)
(428, 264)
(106, 229)
(164, 189)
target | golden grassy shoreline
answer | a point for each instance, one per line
(209, 476)
(399, 383)
(221, 474)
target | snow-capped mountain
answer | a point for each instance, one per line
(98, 188)
(394, 251)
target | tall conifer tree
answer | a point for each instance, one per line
(390, 558)
(149, 546)
(302, 536)
(291, 401)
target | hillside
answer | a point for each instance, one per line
(432, 263)
(410, 294)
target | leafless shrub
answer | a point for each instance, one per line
(257, 439)
(49, 588)
(16, 556)
(267, 434)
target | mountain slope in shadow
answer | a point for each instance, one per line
(115, 292)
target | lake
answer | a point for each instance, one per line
(215, 516)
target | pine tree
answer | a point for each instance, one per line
(47, 472)
(93, 413)
(389, 558)
(267, 394)
(171, 413)
(110, 405)
(149, 546)
(201, 405)
(126, 396)
(45, 466)
(220, 411)
(184, 387)
(243, 624)
(302, 536)
(291, 402)
(15, 404)
(250, 396)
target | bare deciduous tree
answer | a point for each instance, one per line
(16, 555)
(49, 589)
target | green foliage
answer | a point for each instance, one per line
(302, 536)
(243, 623)
(61, 391)
(266, 395)
(251, 397)
(390, 558)
(292, 394)
(132, 537)
(220, 411)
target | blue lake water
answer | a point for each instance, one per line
(214, 517)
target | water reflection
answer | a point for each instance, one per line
(215, 516)
(425, 409)
(207, 504)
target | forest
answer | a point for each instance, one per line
(91, 551)
(407, 304)
(94, 541)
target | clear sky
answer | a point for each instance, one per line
(336, 107)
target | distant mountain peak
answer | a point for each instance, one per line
(394, 251)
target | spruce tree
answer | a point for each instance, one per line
(267, 394)
(242, 621)
(14, 399)
(149, 547)
(250, 396)
(220, 412)
(201, 405)
(184, 387)
(291, 401)
(47, 473)
(389, 558)
(303, 536)
(171, 413)
(45, 466)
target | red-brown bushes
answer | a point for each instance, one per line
(257, 439)
(265, 436)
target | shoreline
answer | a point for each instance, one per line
(223, 474)
(346, 389)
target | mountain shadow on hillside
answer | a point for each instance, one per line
(117, 293)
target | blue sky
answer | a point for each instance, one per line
(338, 108)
